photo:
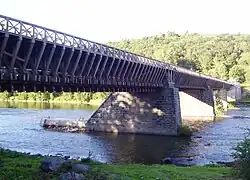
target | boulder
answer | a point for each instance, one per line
(177, 161)
(64, 125)
(52, 163)
(71, 176)
(80, 167)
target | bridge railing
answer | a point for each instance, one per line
(187, 71)
(22, 28)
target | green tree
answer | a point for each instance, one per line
(237, 72)
(244, 59)
(5, 95)
(192, 65)
(32, 96)
(22, 96)
(212, 55)
(220, 71)
(52, 96)
(87, 96)
(78, 96)
(100, 95)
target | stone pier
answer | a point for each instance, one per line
(139, 112)
(197, 104)
(159, 112)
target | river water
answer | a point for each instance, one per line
(20, 130)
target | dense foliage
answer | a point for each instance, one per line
(242, 156)
(224, 56)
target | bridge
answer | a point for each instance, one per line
(147, 96)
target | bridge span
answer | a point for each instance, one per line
(148, 96)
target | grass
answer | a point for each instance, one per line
(137, 171)
(19, 166)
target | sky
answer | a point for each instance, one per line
(114, 20)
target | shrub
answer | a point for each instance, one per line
(52, 96)
(21, 96)
(87, 96)
(231, 105)
(32, 96)
(218, 106)
(4, 95)
(242, 156)
(100, 95)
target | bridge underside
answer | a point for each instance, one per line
(197, 104)
(43, 87)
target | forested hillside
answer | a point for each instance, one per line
(224, 56)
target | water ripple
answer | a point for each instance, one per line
(20, 130)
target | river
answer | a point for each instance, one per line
(20, 130)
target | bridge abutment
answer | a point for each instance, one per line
(197, 104)
(139, 112)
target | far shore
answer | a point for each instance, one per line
(96, 102)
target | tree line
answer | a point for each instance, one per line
(82, 97)
(224, 56)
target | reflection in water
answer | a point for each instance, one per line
(44, 105)
(147, 149)
(20, 130)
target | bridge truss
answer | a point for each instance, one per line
(35, 58)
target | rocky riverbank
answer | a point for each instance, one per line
(14, 165)
(187, 161)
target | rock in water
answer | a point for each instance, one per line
(52, 163)
(71, 176)
(80, 167)
(63, 125)
(178, 161)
